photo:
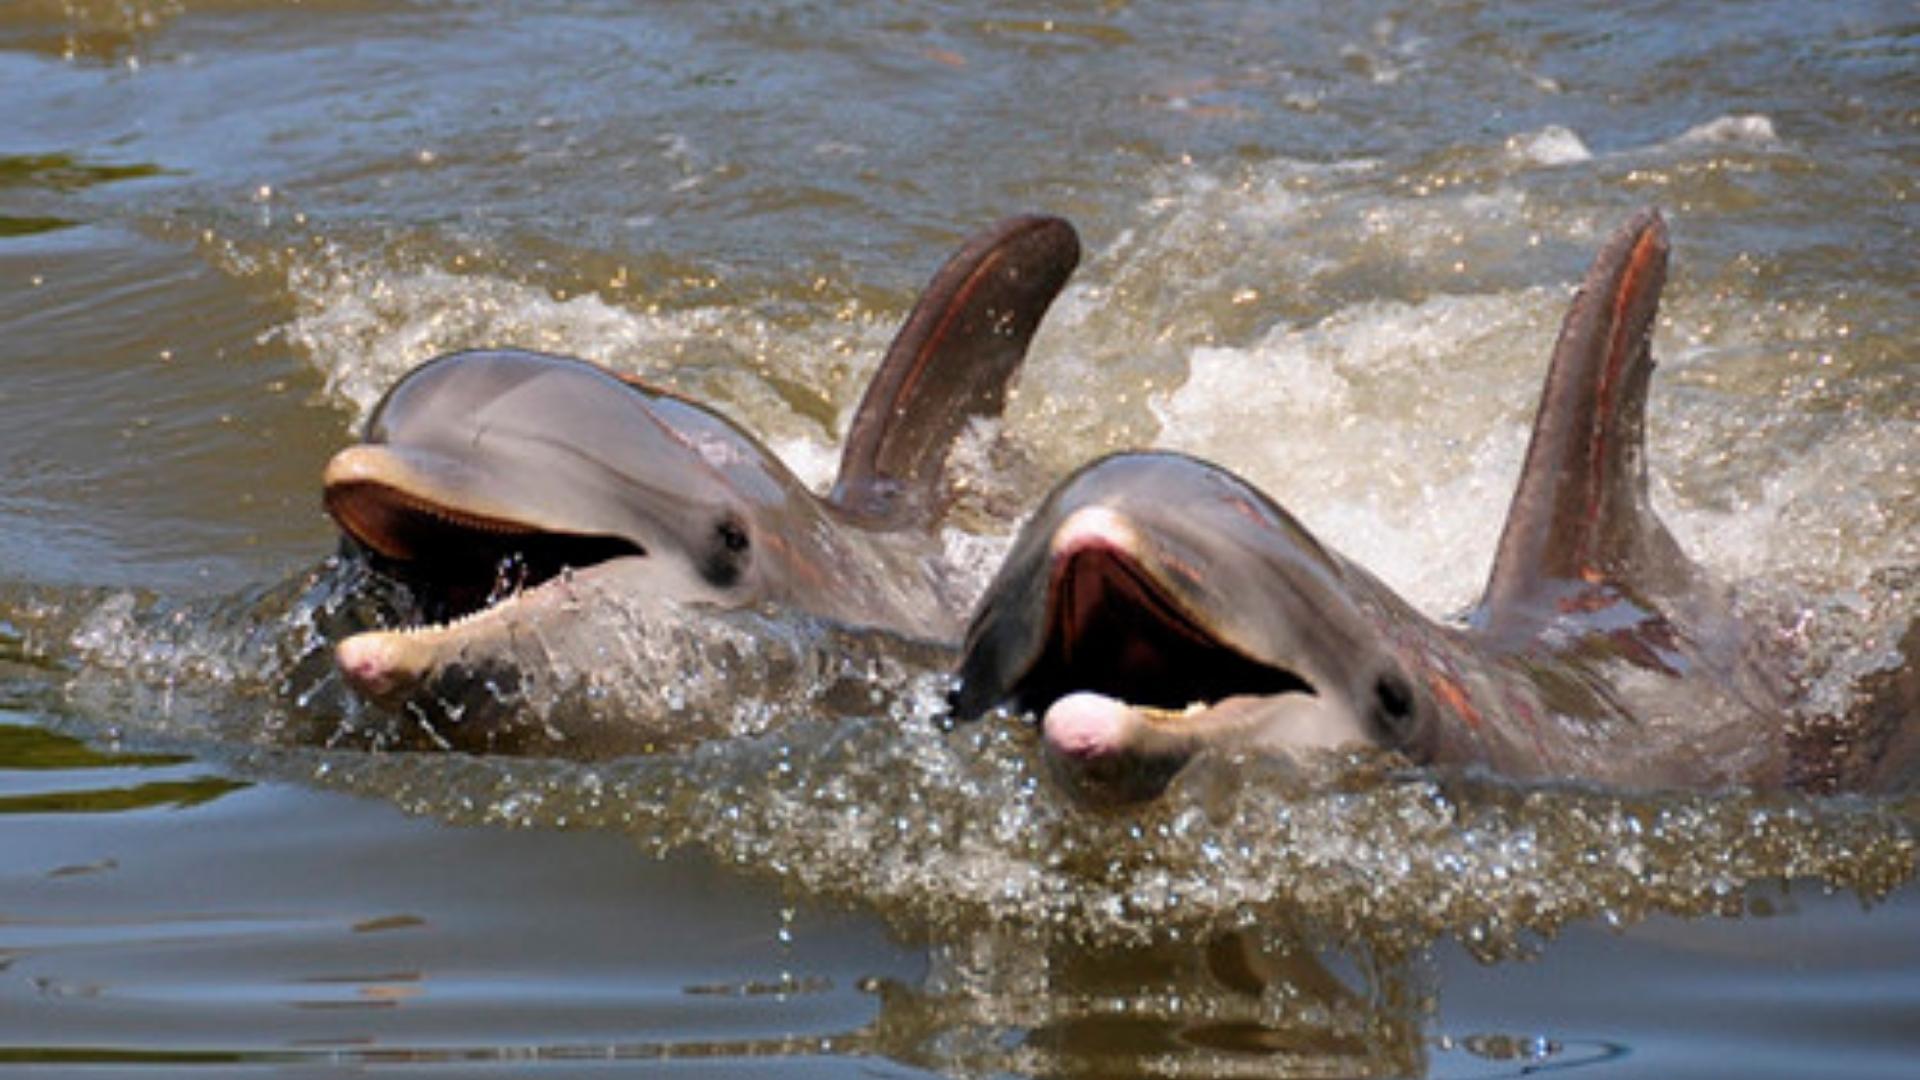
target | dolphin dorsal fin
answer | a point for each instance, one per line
(1580, 514)
(950, 363)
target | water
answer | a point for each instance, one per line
(1327, 247)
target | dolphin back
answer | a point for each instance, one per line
(1580, 514)
(950, 364)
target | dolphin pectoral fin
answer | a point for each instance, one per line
(1580, 512)
(951, 363)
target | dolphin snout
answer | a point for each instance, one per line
(383, 667)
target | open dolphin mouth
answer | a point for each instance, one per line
(456, 564)
(1144, 633)
(1115, 629)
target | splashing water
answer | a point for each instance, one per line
(842, 783)
(1343, 335)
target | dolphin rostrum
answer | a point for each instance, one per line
(509, 489)
(1155, 605)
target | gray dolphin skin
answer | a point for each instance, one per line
(511, 489)
(1156, 605)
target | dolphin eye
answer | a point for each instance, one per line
(724, 560)
(1395, 712)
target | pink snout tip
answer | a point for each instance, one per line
(1086, 725)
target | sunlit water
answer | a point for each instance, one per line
(1328, 248)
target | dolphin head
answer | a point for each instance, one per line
(484, 475)
(1156, 605)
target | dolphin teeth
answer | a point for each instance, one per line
(1157, 714)
(368, 509)
(1161, 715)
(474, 522)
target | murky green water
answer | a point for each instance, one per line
(1326, 245)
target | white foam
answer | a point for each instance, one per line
(1394, 431)
(1551, 145)
(810, 459)
(1751, 129)
(364, 324)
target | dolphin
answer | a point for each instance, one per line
(1156, 605)
(510, 491)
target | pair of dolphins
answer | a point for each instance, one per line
(1153, 606)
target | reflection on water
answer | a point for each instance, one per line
(274, 925)
(67, 777)
(1255, 1002)
(22, 175)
